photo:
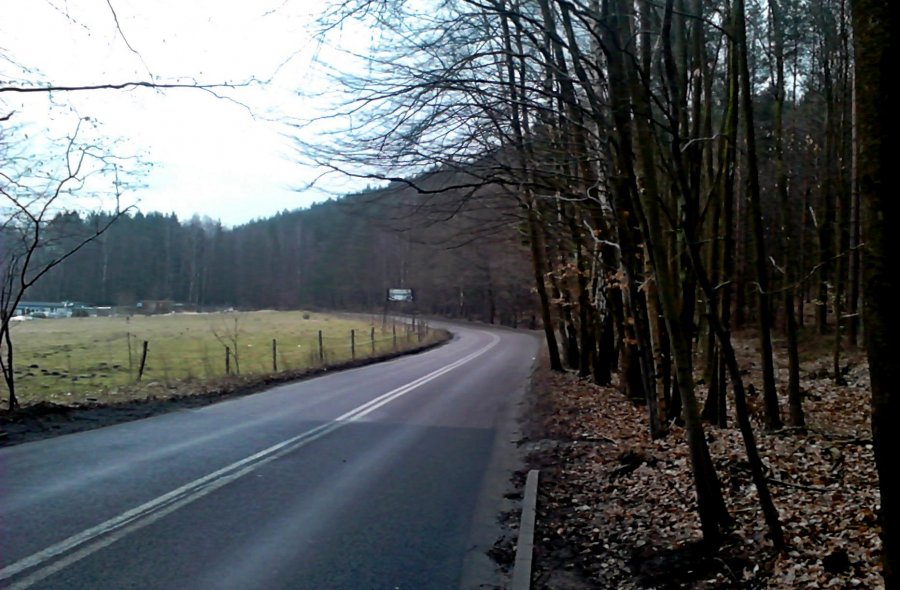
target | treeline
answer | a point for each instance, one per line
(333, 255)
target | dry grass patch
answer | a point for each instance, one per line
(97, 360)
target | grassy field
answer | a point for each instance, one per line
(98, 359)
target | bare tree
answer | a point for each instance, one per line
(875, 38)
(35, 194)
(229, 336)
(34, 235)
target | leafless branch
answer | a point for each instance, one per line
(124, 38)
(125, 85)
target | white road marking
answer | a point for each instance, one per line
(132, 520)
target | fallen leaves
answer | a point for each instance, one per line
(616, 509)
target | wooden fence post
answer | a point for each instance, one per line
(394, 330)
(372, 338)
(321, 349)
(227, 360)
(274, 356)
(353, 345)
(143, 361)
(130, 360)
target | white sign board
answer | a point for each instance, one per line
(400, 295)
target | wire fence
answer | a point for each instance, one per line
(130, 358)
(285, 354)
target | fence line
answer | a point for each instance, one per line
(126, 358)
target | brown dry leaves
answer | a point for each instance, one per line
(616, 509)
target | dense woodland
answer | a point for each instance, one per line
(334, 255)
(663, 172)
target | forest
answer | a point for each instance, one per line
(341, 254)
(638, 179)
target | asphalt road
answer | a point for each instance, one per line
(373, 478)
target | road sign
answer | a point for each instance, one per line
(400, 295)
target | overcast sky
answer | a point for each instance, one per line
(214, 157)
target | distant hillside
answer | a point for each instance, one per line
(461, 260)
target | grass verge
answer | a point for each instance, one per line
(57, 404)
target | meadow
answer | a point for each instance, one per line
(98, 359)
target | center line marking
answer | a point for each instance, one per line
(149, 512)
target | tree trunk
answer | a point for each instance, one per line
(826, 224)
(639, 373)
(795, 402)
(757, 469)
(602, 360)
(537, 262)
(876, 26)
(854, 262)
(6, 364)
(764, 313)
(710, 503)
(729, 164)
(534, 231)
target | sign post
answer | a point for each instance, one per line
(401, 297)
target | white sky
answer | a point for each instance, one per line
(210, 156)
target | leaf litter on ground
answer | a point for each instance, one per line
(616, 508)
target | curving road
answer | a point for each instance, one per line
(373, 478)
